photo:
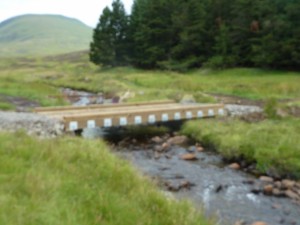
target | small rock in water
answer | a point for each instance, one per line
(178, 140)
(259, 223)
(249, 181)
(291, 195)
(276, 206)
(165, 146)
(191, 149)
(277, 192)
(189, 156)
(268, 189)
(199, 149)
(219, 188)
(278, 184)
(256, 190)
(186, 184)
(157, 140)
(234, 166)
(266, 179)
(240, 222)
(288, 184)
(158, 148)
(157, 155)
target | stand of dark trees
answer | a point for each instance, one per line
(184, 34)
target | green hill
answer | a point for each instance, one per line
(31, 35)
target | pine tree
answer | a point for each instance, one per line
(189, 22)
(109, 46)
(152, 31)
(102, 49)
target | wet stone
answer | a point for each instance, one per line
(259, 223)
(266, 179)
(191, 149)
(189, 156)
(291, 195)
(199, 149)
(234, 166)
(157, 140)
(278, 193)
(268, 189)
(288, 184)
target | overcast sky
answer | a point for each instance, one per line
(87, 11)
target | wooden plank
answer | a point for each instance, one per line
(98, 106)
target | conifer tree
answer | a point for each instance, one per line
(109, 45)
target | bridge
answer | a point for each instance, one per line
(91, 116)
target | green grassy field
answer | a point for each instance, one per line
(39, 79)
(76, 181)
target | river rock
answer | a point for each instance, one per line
(240, 222)
(288, 184)
(259, 223)
(199, 149)
(268, 189)
(172, 186)
(189, 156)
(266, 179)
(191, 149)
(158, 148)
(277, 192)
(186, 184)
(157, 140)
(157, 155)
(291, 195)
(278, 184)
(178, 140)
(234, 166)
(256, 189)
(165, 146)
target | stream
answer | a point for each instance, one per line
(231, 196)
(223, 192)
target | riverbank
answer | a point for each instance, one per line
(272, 146)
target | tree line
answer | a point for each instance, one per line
(184, 34)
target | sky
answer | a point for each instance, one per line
(87, 11)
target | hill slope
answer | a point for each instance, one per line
(42, 35)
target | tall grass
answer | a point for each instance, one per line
(71, 181)
(24, 76)
(273, 144)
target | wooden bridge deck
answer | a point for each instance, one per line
(79, 117)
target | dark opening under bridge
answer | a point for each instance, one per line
(91, 116)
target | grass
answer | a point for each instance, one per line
(74, 181)
(6, 106)
(39, 79)
(273, 144)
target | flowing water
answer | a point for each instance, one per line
(221, 191)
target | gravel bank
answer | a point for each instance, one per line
(31, 123)
(241, 110)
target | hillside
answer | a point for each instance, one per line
(32, 35)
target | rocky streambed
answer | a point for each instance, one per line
(187, 170)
